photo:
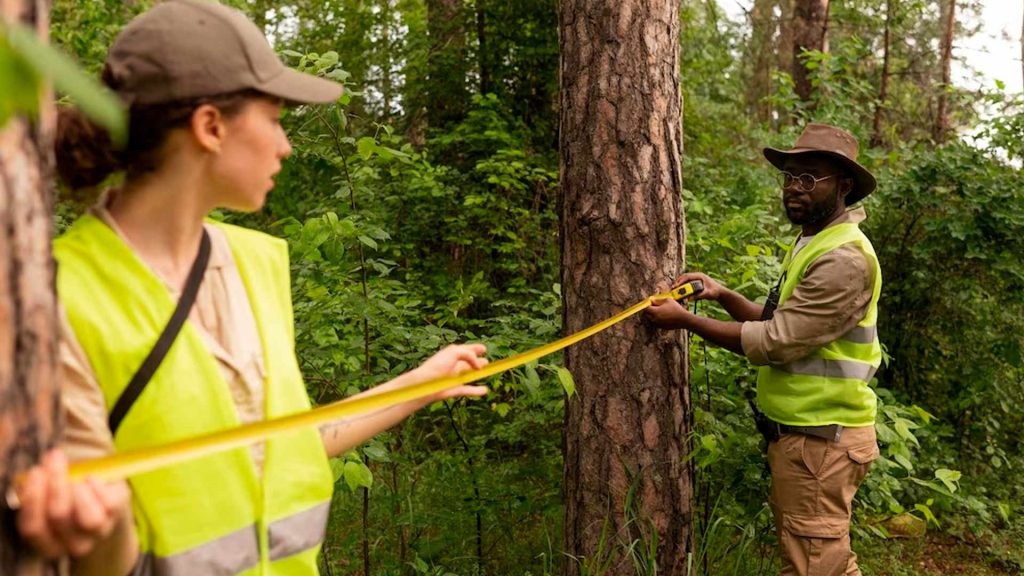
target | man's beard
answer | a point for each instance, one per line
(815, 213)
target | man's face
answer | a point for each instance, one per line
(827, 196)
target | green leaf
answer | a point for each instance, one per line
(904, 461)
(366, 146)
(948, 477)
(357, 475)
(337, 467)
(923, 509)
(568, 382)
(376, 451)
(95, 100)
(20, 82)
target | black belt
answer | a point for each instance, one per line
(772, 430)
(830, 432)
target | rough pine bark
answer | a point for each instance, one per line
(28, 319)
(810, 27)
(622, 232)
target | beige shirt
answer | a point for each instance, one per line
(224, 319)
(831, 298)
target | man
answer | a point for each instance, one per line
(817, 351)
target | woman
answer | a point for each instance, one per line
(205, 93)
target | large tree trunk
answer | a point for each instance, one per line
(941, 127)
(883, 90)
(446, 62)
(810, 27)
(622, 232)
(29, 406)
(761, 52)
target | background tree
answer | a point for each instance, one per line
(942, 124)
(883, 84)
(628, 491)
(29, 420)
(458, 227)
(810, 32)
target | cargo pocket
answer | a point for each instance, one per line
(825, 526)
(821, 541)
(863, 456)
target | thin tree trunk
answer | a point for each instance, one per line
(29, 404)
(883, 90)
(942, 124)
(481, 38)
(622, 232)
(446, 64)
(785, 43)
(810, 32)
(386, 87)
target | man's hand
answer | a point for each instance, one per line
(667, 314)
(712, 289)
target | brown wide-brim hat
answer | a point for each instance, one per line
(183, 49)
(825, 140)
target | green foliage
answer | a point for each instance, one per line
(25, 62)
(409, 231)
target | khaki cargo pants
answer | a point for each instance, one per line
(813, 483)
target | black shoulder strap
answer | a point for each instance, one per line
(163, 343)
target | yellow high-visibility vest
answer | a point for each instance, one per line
(830, 386)
(212, 515)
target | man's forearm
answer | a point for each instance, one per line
(737, 305)
(724, 334)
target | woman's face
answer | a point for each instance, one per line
(252, 149)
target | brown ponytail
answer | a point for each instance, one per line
(86, 156)
(85, 153)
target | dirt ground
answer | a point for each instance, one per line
(945, 555)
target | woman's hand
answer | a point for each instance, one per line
(452, 360)
(58, 517)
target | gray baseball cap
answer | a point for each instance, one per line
(182, 49)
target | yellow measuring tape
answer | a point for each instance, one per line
(129, 463)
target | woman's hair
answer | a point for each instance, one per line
(86, 154)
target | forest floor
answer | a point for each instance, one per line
(941, 554)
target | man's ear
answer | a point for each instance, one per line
(846, 184)
(208, 127)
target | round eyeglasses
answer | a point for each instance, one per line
(804, 182)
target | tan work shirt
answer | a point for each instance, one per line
(222, 316)
(831, 298)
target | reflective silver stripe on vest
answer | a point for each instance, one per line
(861, 334)
(225, 556)
(299, 532)
(239, 550)
(851, 369)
